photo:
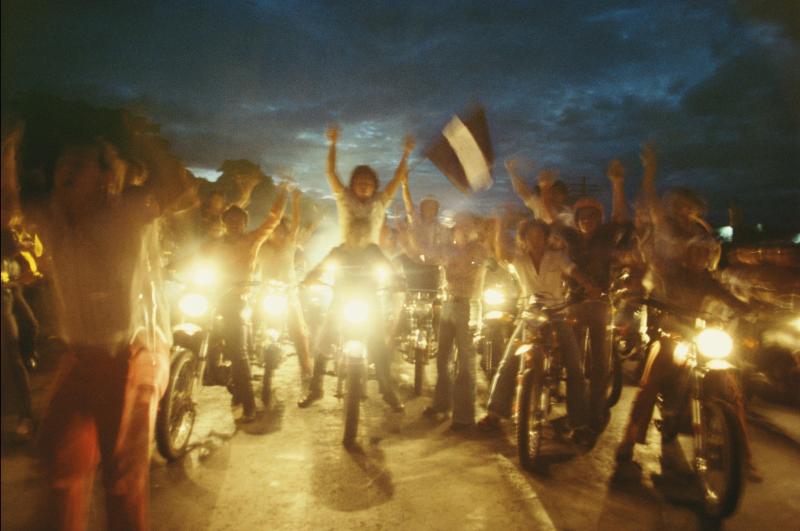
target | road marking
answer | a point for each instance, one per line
(513, 474)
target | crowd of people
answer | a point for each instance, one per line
(100, 208)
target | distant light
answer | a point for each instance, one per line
(796, 238)
(726, 233)
(759, 227)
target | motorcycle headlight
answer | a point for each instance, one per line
(356, 311)
(714, 343)
(193, 304)
(275, 304)
(204, 274)
(494, 297)
(681, 353)
(355, 349)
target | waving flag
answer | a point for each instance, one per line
(463, 152)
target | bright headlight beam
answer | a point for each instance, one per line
(494, 297)
(193, 304)
(275, 303)
(714, 343)
(356, 311)
(204, 274)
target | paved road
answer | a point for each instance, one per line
(289, 471)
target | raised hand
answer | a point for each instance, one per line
(332, 133)
(649, 155)
(409, 142)
(616, 171)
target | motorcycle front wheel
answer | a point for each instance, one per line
(352, 402)
(176, 411)
(533, 399)
(720, 460)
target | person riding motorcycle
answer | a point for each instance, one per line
(277, 262)
(238, 250)
(361, 210)
(592, 246)
(541, 272)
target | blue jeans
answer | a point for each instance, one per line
(457, 394)
(504, 385)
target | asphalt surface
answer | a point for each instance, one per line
(288, 470)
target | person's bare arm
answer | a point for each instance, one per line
(401, 173)
(411, 213)
(619, 208)
(294, 230)
(273, 217)
(501, 248)
(649, 158)
(333, 178)
(548, 213)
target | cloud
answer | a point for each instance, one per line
(569, 86)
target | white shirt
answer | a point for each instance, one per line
(547, 282)
(360, 222)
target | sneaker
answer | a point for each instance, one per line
(310, 398)
(583, 436)
(247, 418)
(489, 423)
(432, 412)
(394, 403)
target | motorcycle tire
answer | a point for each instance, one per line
(727, 456)
(352, 402)
(176, 411)
(530, 417)
(419, 370)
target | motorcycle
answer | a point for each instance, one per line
(704, 402)
(499, 311)
(271, 323)
(421, 307)
(629, 337)
(196, 356)
(540, 382)
(358, 300)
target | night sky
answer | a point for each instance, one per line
(565, 84)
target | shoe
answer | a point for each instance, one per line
(461, 426)
(247, 418)
(583, 436)
(432, 412)
(394, 403)
(489, 423)
(310, 398)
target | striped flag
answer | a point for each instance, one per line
(463, 152)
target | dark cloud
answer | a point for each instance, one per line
(570, 86)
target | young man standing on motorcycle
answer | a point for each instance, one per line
(362, 210)
(541, 272)
(238, 251)
(592, 247)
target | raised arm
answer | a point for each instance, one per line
(333, 178)
(502, 250)
(517, 183)
(411, 213)
(649, 159)
(273, 217)
(619, 208)
(401, 173)
(294, 230)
